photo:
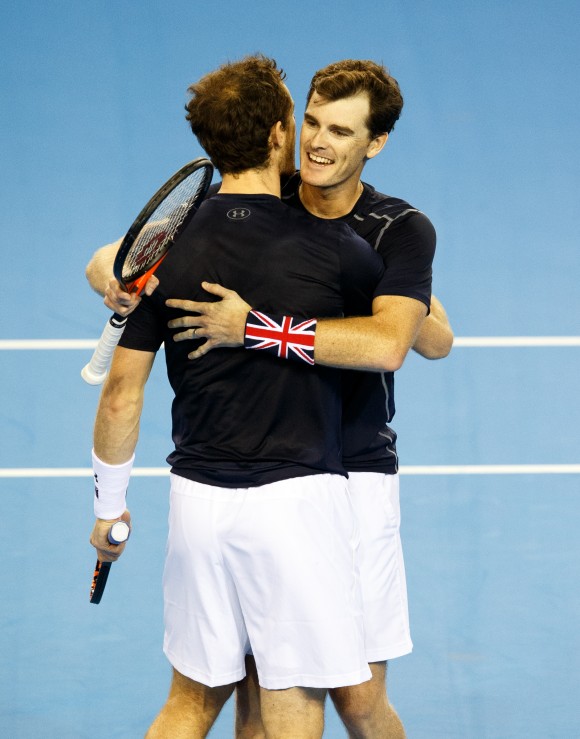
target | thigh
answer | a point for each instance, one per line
(248, 718)
(190, 710)
(293, 556)
(375, 499)
(365, 709)
(296, 712)
(205, 635)
(361, 698)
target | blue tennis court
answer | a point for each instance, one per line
(488, 438)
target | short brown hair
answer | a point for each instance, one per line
(352, 76)
(232, 110)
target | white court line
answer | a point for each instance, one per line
(52, 344)
(492, 469)
(515, 341)
(467, 469)
(459, 342)
(75, 472)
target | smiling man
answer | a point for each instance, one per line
(335, 145)
(352, 107)
(262, 540)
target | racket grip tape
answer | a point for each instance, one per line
(96, 370)
(119, 532)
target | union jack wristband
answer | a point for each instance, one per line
(285, 337)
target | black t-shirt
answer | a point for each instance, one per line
(244, 418)
(405, 240)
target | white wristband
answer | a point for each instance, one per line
(111, 483)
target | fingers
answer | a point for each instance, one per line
(199, 306)
(202, 350)
(189, 305)
(187, 321)
(221, 322)
(215, 289)
(126, 517)
(191, 333)
(151, 285)
(107, 552)
(119, 300)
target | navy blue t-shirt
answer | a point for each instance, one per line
(244, 418)
(405, 240)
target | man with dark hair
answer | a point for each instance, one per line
(262, 539)
(352, 107)
(353, 76)
(229, 112)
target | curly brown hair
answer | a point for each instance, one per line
(232, 110)
(352, 76)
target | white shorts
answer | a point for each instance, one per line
(272, 568)
(375, 498)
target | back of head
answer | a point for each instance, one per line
(352, 76)
(232, 110)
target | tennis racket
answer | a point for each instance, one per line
(145, 246)
(118, 533)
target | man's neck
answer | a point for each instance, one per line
(252, 182)
(330, 202)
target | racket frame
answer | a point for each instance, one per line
(96, 370)
(100, 576)
(143, 217)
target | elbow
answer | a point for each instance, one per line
(117, 410)
(391, 360)
(448, 346)
(438, 349)
(119, 402)
(442, 350)
(445, 346)
(91, 273)
(396, 362)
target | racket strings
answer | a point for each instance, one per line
(162, 226)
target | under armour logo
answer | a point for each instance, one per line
(238, 214)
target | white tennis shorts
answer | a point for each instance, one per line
(272, 569)
(375, 499)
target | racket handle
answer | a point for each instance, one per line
(96, 370)
(117, 534)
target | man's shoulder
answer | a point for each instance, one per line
(377, 215)
(379, 205)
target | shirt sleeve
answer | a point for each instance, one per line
(144, 330)
(407, 249)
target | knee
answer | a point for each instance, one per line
(358, 708)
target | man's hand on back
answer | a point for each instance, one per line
(221, 323)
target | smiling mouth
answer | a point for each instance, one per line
(319, 160)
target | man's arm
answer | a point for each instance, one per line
(115, 437)
(377, 343)
(435, 337)
(117, 422)
(100, 269)
(99, 273)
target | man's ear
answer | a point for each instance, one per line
(376, 145)
(277, 135)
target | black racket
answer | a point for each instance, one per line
(118, 533)
(145, 246)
